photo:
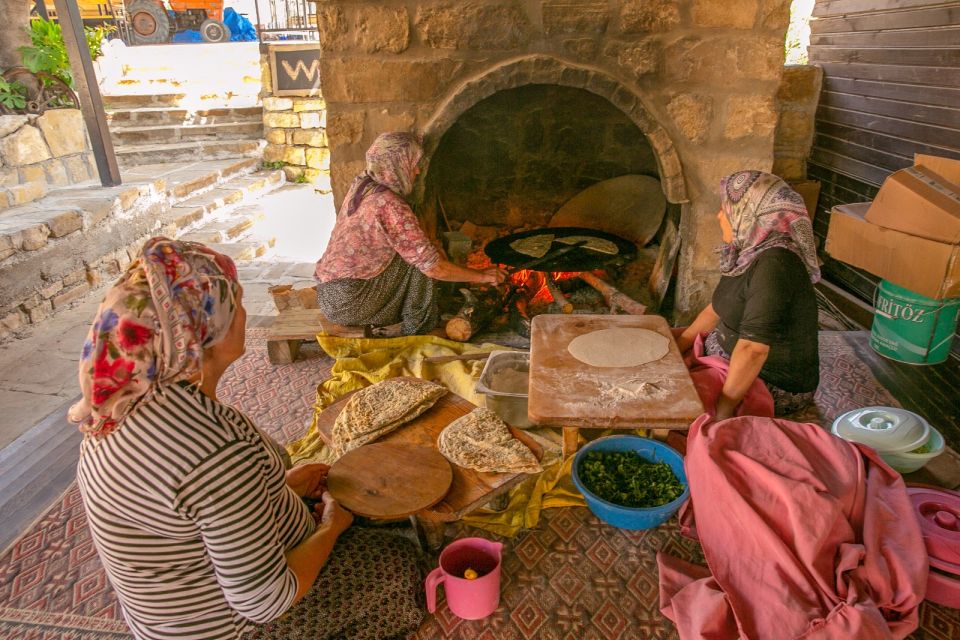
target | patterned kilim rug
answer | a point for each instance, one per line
(571, 578)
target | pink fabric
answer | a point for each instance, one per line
(710, 372)
(363, 244)
(805, 535)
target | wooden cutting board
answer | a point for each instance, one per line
(469, 489)
(630, 206)
(570, 393)
(390, 480)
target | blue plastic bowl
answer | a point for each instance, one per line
(633, 518)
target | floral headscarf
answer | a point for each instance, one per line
(764, 213)
(391, 164)
(172, 302)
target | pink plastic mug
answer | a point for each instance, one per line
(468, 599)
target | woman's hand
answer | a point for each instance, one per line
(332, 516)
(704, 323)
(494, 275)
(308, 480)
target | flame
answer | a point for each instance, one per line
(531, 281)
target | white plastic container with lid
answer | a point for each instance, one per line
(894, 433)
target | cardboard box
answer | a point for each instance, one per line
(925, 266)
(922, 200)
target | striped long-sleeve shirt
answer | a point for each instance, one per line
(189, 510)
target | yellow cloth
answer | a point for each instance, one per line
(365, 361)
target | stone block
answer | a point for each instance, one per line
(692, 114)
(318, 158)
(33, 173)
(34, 237)
(332, 26)
(721, 60)
(277, 104)
(382, 29)
(273, 153)
(276, 136)
(734, 14)
(637, 16)
(64, 131)
(496, 25)
(790, 168)
(750, 115)
(27, 192)
(75, 276)
(567, 17)
(794, 129)
(355, 80)
(39, 312)
(312, 120)
(308, 104)
(581, 48)
(9, 124)
(77, 169)
(72, 295)
(281, 120)
(8, 245)
(774, 14)
(640, 58)
(51, 289)
(25, 146)
(310, 137)
(294, 155)
(292, 173)
(800, 84)
(56, 173)
(61, 223)
(12, 322)
(345, 128)
(8, 176)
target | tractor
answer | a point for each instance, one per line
(155, 21)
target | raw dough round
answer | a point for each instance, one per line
(627, 347)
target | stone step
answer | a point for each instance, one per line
(244, 250)
(194, 98)
(133, 155)
(188, 213)
(137, 100)
(185, 133)
(154, 116)
(230, 228)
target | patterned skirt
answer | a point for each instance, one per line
(784, 402)
(370, 589)
(401, 293)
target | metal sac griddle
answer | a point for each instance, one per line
(560, 256)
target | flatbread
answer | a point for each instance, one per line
(381, 408)
(622, 347)
(482, 441)
(600, 245)
(533, 246)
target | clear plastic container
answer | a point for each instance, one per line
(505, 384)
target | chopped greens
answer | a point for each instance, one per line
(627, 479)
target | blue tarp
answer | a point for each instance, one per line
(187, 36)
(241, 29)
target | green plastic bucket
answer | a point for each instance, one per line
(911, 328)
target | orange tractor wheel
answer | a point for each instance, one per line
(149, 23)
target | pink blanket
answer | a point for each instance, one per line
(805, 535)
(710, 372)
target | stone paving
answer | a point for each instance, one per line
(38, 371)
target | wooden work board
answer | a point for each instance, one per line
(469, 489)
(569, 393)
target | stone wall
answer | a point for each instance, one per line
(699, 78)
(40, 153)
(296, 133)
(798, 97)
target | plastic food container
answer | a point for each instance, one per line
(896, 434)
(938, 511)
(505, 383)
(633, 518)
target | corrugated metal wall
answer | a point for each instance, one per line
(891, 88)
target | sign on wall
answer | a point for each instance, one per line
(295, 70)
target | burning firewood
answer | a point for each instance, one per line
(481, 306)
(616, 299)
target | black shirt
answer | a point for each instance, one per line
(773, 303)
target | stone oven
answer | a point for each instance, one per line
(524, 103)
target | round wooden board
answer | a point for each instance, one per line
(630, 206)
(390, 480)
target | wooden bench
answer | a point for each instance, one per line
(293, 326)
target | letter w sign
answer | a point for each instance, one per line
(295, 70)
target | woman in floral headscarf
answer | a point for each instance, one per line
(763, 317)
(378, 266)
(199, 526)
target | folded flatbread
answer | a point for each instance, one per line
(482, 441)
(593, 243)
(379, 409)
(533, 246)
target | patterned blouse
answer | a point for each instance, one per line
(363, 244)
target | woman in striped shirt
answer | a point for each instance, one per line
(201, 530)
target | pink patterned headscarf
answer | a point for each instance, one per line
(175, 300)
(764, 213)
(391, 164)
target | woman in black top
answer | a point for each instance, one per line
(763, 317)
